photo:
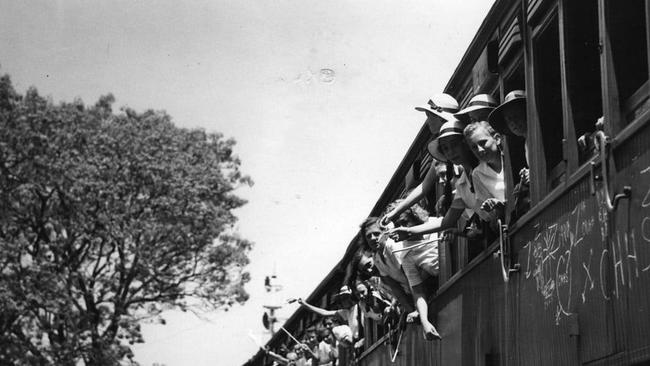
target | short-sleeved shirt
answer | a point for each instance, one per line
(463, 196)
(466, 198)
(421, 262)
(324, 354)
(390, 264)
(351, 315)
(488, 183)
(341, 332)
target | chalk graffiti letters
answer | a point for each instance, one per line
(585, 255)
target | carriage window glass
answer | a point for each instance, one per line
(549, 98)
(583, 71)
(627, 35)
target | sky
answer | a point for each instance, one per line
(319, 95)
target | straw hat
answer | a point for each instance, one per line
(442, 105)
(449, 128)
(515, 97)
(479, 101)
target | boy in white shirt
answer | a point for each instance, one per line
(488, 179)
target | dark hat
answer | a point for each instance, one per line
(496, 120)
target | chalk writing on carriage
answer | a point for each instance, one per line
(576, 259)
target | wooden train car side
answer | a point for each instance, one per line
(568, 283)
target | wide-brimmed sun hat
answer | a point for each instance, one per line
(478, 102)
(449, 128)
(442, 105)
(496, 120)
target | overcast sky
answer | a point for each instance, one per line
(318, 94)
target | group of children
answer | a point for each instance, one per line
(472, 141)
(336, 339)
(399, 250)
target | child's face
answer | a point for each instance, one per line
(328, 323)
(310, 338)
(441, 170)
(366, 264)
(373, 233)
(405, 220)
(298, 350)
(362, 291)
(479, 114)
(455, 149)
(515, 118)
(484, 145)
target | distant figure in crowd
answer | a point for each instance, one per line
(348, 309)
(301, 359)
(327, 353)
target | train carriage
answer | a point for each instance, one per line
(568, 282)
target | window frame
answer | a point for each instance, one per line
(539, 185)
(615, 119)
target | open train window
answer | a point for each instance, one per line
(548, 97)
(581, 49)
(514, 149)
(627, 37)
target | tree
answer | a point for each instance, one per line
(108, 218)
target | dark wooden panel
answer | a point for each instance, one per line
(631, 243)
(564, 288)
(471, 317)
(510, 41)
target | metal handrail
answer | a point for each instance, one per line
(604, 146)
(506, 269)
(504, 272)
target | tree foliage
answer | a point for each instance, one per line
(107, 218)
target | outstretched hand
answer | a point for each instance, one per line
(491, 204)
(412, 316)
(384, 222)
(399, 233)
(429, 331)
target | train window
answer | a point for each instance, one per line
(515, 150)
(548, 97)
(582, 56)
(627, 37)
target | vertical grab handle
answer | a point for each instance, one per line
(604, 146)
(504, 251)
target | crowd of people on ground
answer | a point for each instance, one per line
(396, 267)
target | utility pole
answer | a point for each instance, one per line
(272, 286)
